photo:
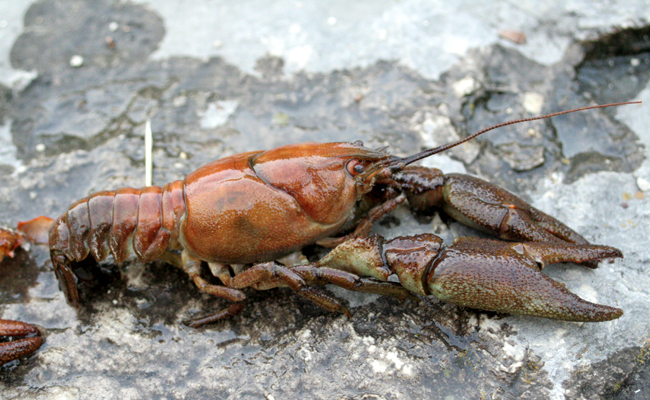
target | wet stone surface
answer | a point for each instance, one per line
(76, 130)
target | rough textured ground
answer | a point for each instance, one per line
(217, 79)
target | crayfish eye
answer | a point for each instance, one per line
(355, 167)
(358, 143)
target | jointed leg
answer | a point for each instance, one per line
(363, 229)
(322, 275)
(229, 312)
(192, 267)
(261, 273)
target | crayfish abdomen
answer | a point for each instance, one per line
(117, 222)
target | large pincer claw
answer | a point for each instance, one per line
(28, 339)
(484, 206)
(506, 277)
(478, 273)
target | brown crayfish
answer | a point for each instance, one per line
(242, 215)
(26, 338)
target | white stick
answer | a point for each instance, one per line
(148, 150)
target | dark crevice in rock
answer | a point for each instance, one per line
(625, 42)
(617, 377)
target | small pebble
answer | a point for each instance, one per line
(513, 36)
(643, 184)
(533, 102)
(624, 205)
(280, 119)
(217, 44)
(76, 61)
(465, 86)
(627, 196)
(639, 195)
(40, 147)
(180, 101)
(113, 26)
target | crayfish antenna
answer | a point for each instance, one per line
(399, 163)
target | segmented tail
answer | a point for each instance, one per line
(116, 222)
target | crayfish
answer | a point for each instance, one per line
(27, 338)
(243, 215)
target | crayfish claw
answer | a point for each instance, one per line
(30, 339)
(505, 277)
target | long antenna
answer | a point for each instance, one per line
(400, 163)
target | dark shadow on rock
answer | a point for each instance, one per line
(620, 376)
(17, 276)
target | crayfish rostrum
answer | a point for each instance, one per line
(242, 215)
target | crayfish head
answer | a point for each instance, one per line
(326, 179)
